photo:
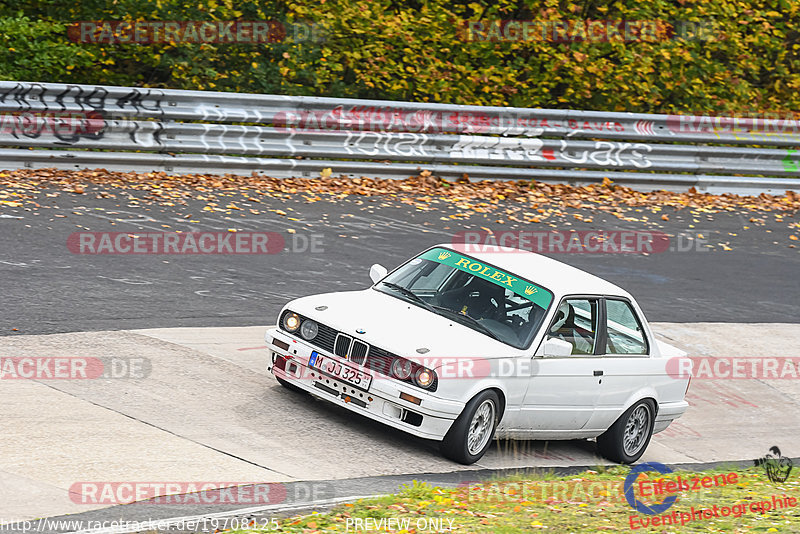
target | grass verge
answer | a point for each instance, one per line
(726, 500)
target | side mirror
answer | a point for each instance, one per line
(552, 346)
(377, 272)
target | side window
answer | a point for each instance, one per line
(576, 323)
(624, 330)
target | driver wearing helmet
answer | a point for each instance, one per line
(564, 328)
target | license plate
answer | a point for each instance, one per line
(341, 371)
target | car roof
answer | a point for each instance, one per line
(558, 277)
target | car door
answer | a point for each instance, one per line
(563, 390)
(626, 361)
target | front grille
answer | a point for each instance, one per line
(350, 349)
(380, 360)
(357, 351)
(326, 338)
(342, 345)
(358, 354)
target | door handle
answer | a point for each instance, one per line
(598, 373)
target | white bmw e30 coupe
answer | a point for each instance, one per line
(460, 348)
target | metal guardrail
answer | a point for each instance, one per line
(124, 128)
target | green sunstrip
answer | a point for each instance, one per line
(523, 288)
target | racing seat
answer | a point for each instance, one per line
(564, 328)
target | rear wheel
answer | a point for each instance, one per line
(628, 437)
(471, 434)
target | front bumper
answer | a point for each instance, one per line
(430, 419)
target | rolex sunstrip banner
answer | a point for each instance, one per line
(523, 288)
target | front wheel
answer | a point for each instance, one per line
(471, 434)
(627, 439)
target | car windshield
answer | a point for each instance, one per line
(478, 295)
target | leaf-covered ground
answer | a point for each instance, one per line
(422, 191)
(509, 203)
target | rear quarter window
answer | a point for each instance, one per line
(624, 331)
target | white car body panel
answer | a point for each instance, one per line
(383, 316)
(545, 397)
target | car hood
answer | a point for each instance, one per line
(399, 326)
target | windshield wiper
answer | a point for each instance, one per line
(407, 292)
(472, 321)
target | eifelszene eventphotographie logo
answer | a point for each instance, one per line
(630, 495)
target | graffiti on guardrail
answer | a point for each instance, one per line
(170, 130)
(609, 153)
(22, 94)
(396, 144)
(604, 153)
(511, 148)
(141, 101)
(791, 163)
(38, 97)
(74, 130)
(75, 113)
(487, 148)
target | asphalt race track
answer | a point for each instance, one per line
(206, 409)
(44, 284)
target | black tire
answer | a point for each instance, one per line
(612, 443)
(289, 386)
(456, 444)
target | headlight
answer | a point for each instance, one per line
(401, 368)
(291, 322)
(309, 329)
(424, 377)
